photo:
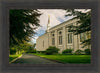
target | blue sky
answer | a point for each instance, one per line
(57, 16)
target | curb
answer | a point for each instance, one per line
(14, 59)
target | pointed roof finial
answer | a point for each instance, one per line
(48, 23)
(48, 19)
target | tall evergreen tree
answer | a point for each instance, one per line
(23, 22)
(84, 21)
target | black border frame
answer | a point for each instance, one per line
(48, 4)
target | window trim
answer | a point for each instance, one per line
(60, 38)
(70, 37)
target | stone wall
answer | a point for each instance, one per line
(42, 42)
(63, 28)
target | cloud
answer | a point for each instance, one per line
(54, 14)
(57, 16)
(33, 40)
(83, 10)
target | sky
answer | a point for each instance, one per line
(57, 16)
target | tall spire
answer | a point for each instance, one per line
(48, 19)
(48, 23)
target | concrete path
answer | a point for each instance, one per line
(32, 59)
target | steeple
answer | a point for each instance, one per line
(48, 23)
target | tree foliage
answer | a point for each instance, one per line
(21, 48)
(87, 51)
(83, 23)
(23, 22)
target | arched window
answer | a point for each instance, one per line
(53, 35)
(60, 33)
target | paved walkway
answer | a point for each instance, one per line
(32, 59)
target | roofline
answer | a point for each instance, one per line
(58, 25)
(42, 34)
(62, 23)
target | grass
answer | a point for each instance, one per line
(74, 59)
(12, 57)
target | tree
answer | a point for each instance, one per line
(84, 21)
(23, 22)
(34, 45)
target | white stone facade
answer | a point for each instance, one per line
(60, 37)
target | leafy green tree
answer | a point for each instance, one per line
(85, 24)
(34, 45)
(23, 22)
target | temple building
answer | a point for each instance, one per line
(60, 37)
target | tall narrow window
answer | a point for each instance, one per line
(82, 37)
(69, 37)
(53, 39)
(60, 38)
(43, 43)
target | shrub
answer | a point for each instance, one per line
(78, 52)
(41, 52)
(51, 50)
(67, 51)
(87, 51)
(13, 50)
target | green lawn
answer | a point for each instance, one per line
(76, 59)
(12, 57)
